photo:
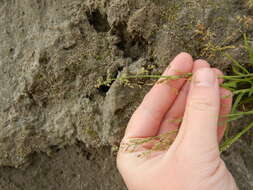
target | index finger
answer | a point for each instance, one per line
(146, 120)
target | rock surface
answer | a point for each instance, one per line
(61, 115)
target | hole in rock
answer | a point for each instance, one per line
(98, 21)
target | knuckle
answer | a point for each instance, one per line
(202, 104)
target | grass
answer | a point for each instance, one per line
(208, 48)
(240, 83)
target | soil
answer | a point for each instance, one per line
(62, 118)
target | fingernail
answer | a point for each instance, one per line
(204, 77)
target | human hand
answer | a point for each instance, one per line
(193, 160)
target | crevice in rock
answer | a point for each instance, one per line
(103, 89)
(44, 58)
(98, 21)
(54, 148)
(133, 47)
(84, 151)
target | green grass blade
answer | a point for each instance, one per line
(237, 102)
(225, 145)
(249, 49)
(247, 100)
(240, 114)
(236, 65)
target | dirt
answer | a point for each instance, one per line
(61, 117)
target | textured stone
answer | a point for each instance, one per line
(55, 56)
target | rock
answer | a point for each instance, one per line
(62, 105)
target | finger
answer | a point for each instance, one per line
(199, 127)
(225, 108)
(173, 118)
(146, 120)
(200, 63)
(219, 74)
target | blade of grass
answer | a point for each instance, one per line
(238, 65)
(225, 145)
(249, 49)
(236, 102)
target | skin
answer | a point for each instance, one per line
(193, 160)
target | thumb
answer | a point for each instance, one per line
(199, 125)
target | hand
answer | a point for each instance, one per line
(193, 160)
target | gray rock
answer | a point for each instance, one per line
(57, 59)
